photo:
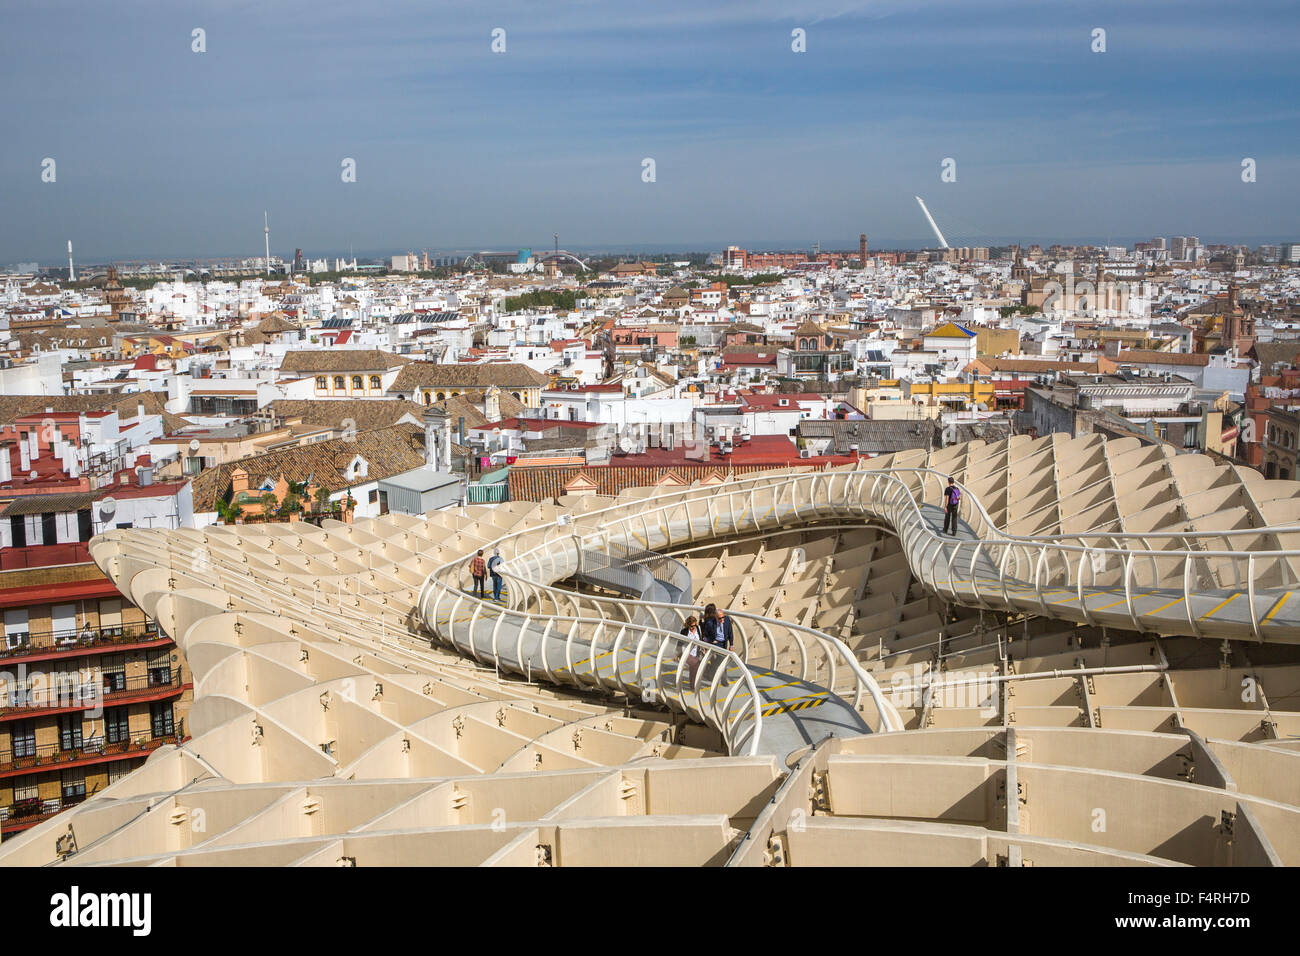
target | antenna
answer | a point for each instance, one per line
(72, 273)
(266, 230)
(943, 243)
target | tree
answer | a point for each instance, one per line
(269, 503)
(322, 498)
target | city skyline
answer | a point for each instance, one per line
(161, 151)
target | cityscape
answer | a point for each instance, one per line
(520, 541)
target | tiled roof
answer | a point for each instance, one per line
(311, 361)
(365, 413)
(433, 375)
(459, 406)
(16, 406)
(275, 323)
(1270, 355)
(1145, 357)
(388, 451)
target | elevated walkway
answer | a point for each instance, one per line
(1165, 582)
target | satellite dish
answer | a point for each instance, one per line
(108, 505)
(31, 475)
(194, 444)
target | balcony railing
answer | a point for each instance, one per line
(33, 809)
(87, 691)
(45, 642)
(51, 756)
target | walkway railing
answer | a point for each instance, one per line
(591, 652)
(983, 566)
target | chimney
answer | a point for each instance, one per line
(139, 411)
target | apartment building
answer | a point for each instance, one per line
(89, 686)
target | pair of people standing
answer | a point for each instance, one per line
(714, 629)
(480, 569)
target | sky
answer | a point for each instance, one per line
(163, 152)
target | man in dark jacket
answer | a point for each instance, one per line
(952, 501)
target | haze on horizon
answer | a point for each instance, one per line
(164, 152)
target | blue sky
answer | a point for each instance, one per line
(161, 151)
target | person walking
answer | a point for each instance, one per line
(478, 570)
(709, 624)
(494, 569)
(691, 630)
(952, 500)
(723, 636)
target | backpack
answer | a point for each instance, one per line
(954, 494)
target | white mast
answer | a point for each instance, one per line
(266, 229)
(943, 243)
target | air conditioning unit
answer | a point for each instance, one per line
(783, 402)
(805, 452)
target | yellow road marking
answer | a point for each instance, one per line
(1221, 605)
(1166, 606)
(1109, 606)
(764, 690)
(1276, 607)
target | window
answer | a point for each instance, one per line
(63, 621)
(119, 769)
(110, 617)
(70, 732)
(74, 785)
(338, 382)
(322, 383)
(23, 734)
(117, 725)
(114, 674)
(356, 383)
(160, 675)
(26, 789)
(17, 630)
(374, 496)
(374, 381)
(160, 719)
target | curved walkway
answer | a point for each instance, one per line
(1170, 583)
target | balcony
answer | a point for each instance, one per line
(22, 814)
(73, 691)
(93, 750)
(88, 640)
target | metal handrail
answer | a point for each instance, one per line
(898, 501)
(708, 707)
